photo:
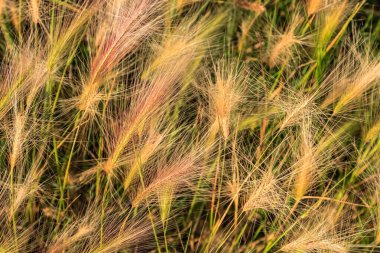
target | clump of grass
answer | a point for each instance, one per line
(189, 126)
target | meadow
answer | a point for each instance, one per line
(189, 126)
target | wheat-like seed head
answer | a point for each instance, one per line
(317, 233)
(282, 48)
(35, 10)
(313, 6)
(330, 17)
(265, 193)
(169, 179)
(356, 73)
(127, 24)
(225, 95)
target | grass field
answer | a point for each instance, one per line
(189, 126)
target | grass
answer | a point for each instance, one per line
(189, 126)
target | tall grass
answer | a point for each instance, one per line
(189, 126)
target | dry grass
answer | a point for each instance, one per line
(189, 126)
